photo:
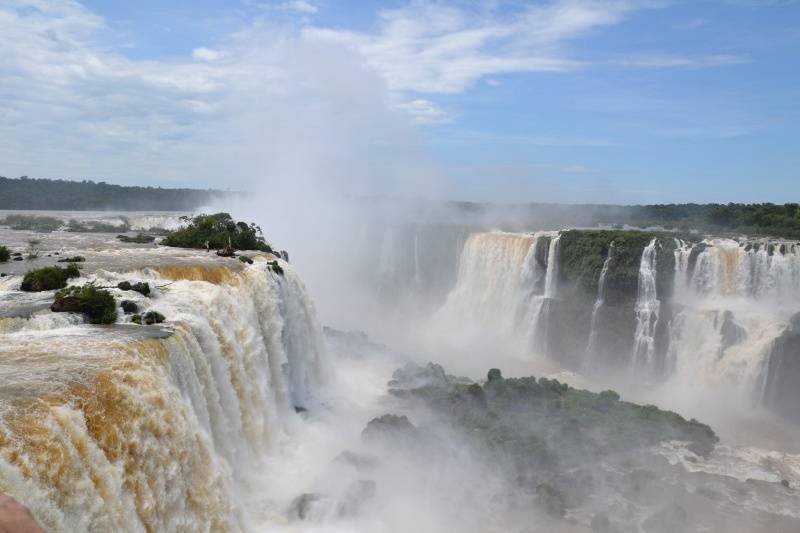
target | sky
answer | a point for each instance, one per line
(618, 101)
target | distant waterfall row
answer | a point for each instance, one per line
(707, 312)
(127, 428)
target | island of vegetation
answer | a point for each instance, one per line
(49, 278)
(553, 440)
(218, 231)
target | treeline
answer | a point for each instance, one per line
(64, 195)
(767, 219)
(777, 220)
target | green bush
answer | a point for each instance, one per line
(139, 238)
(217, 231)
(76, 259)
(149, 318)
(97, 305)
(276, 267)
(5, 254)
(35, 223)
(72, 271)
(95, 226)
(49, 278)
(142, 287)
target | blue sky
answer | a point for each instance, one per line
(622, 101)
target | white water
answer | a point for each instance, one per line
(647, 309)
(501, 288)
(591, 346)
(135, 432)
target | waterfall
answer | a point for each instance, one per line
(735, 299)
(130, 428)
(591, 346)
(646, 309)
(551, 280)
(501, 283)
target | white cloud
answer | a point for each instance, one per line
(206, 54)
(434, 48)
(423, 111)
(666, 61)
(265, 104)
(301, 6)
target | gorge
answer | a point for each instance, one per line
(241, 413)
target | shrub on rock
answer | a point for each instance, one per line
(141, 287)
(97, 305)
(148, 319)
(129, 307)
(48, 278)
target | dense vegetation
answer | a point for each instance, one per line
(751, 219)
(5, 254)
(95, 226)
(97, 305)
(217, 231)
(41, 224)
(583, 254)
(27, 193)
(49, 278)
(775, 220)
(554, 441)
(139, 238)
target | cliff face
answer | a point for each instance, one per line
(782, 383)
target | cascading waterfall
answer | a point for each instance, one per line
(591, 346)
(551, 279)
(736, 299)
(647, 310)
(503, 282)
(490, 279)
(129, 428)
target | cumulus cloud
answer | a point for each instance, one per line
(266, 96)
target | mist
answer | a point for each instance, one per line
(439, 350)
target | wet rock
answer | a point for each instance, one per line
(76, 259)
(731, 332)
(307, 506)
(389, 428)
(781, 393)
(129, 307)
(670, 519)
(17, 258)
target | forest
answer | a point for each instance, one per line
(87, 195)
